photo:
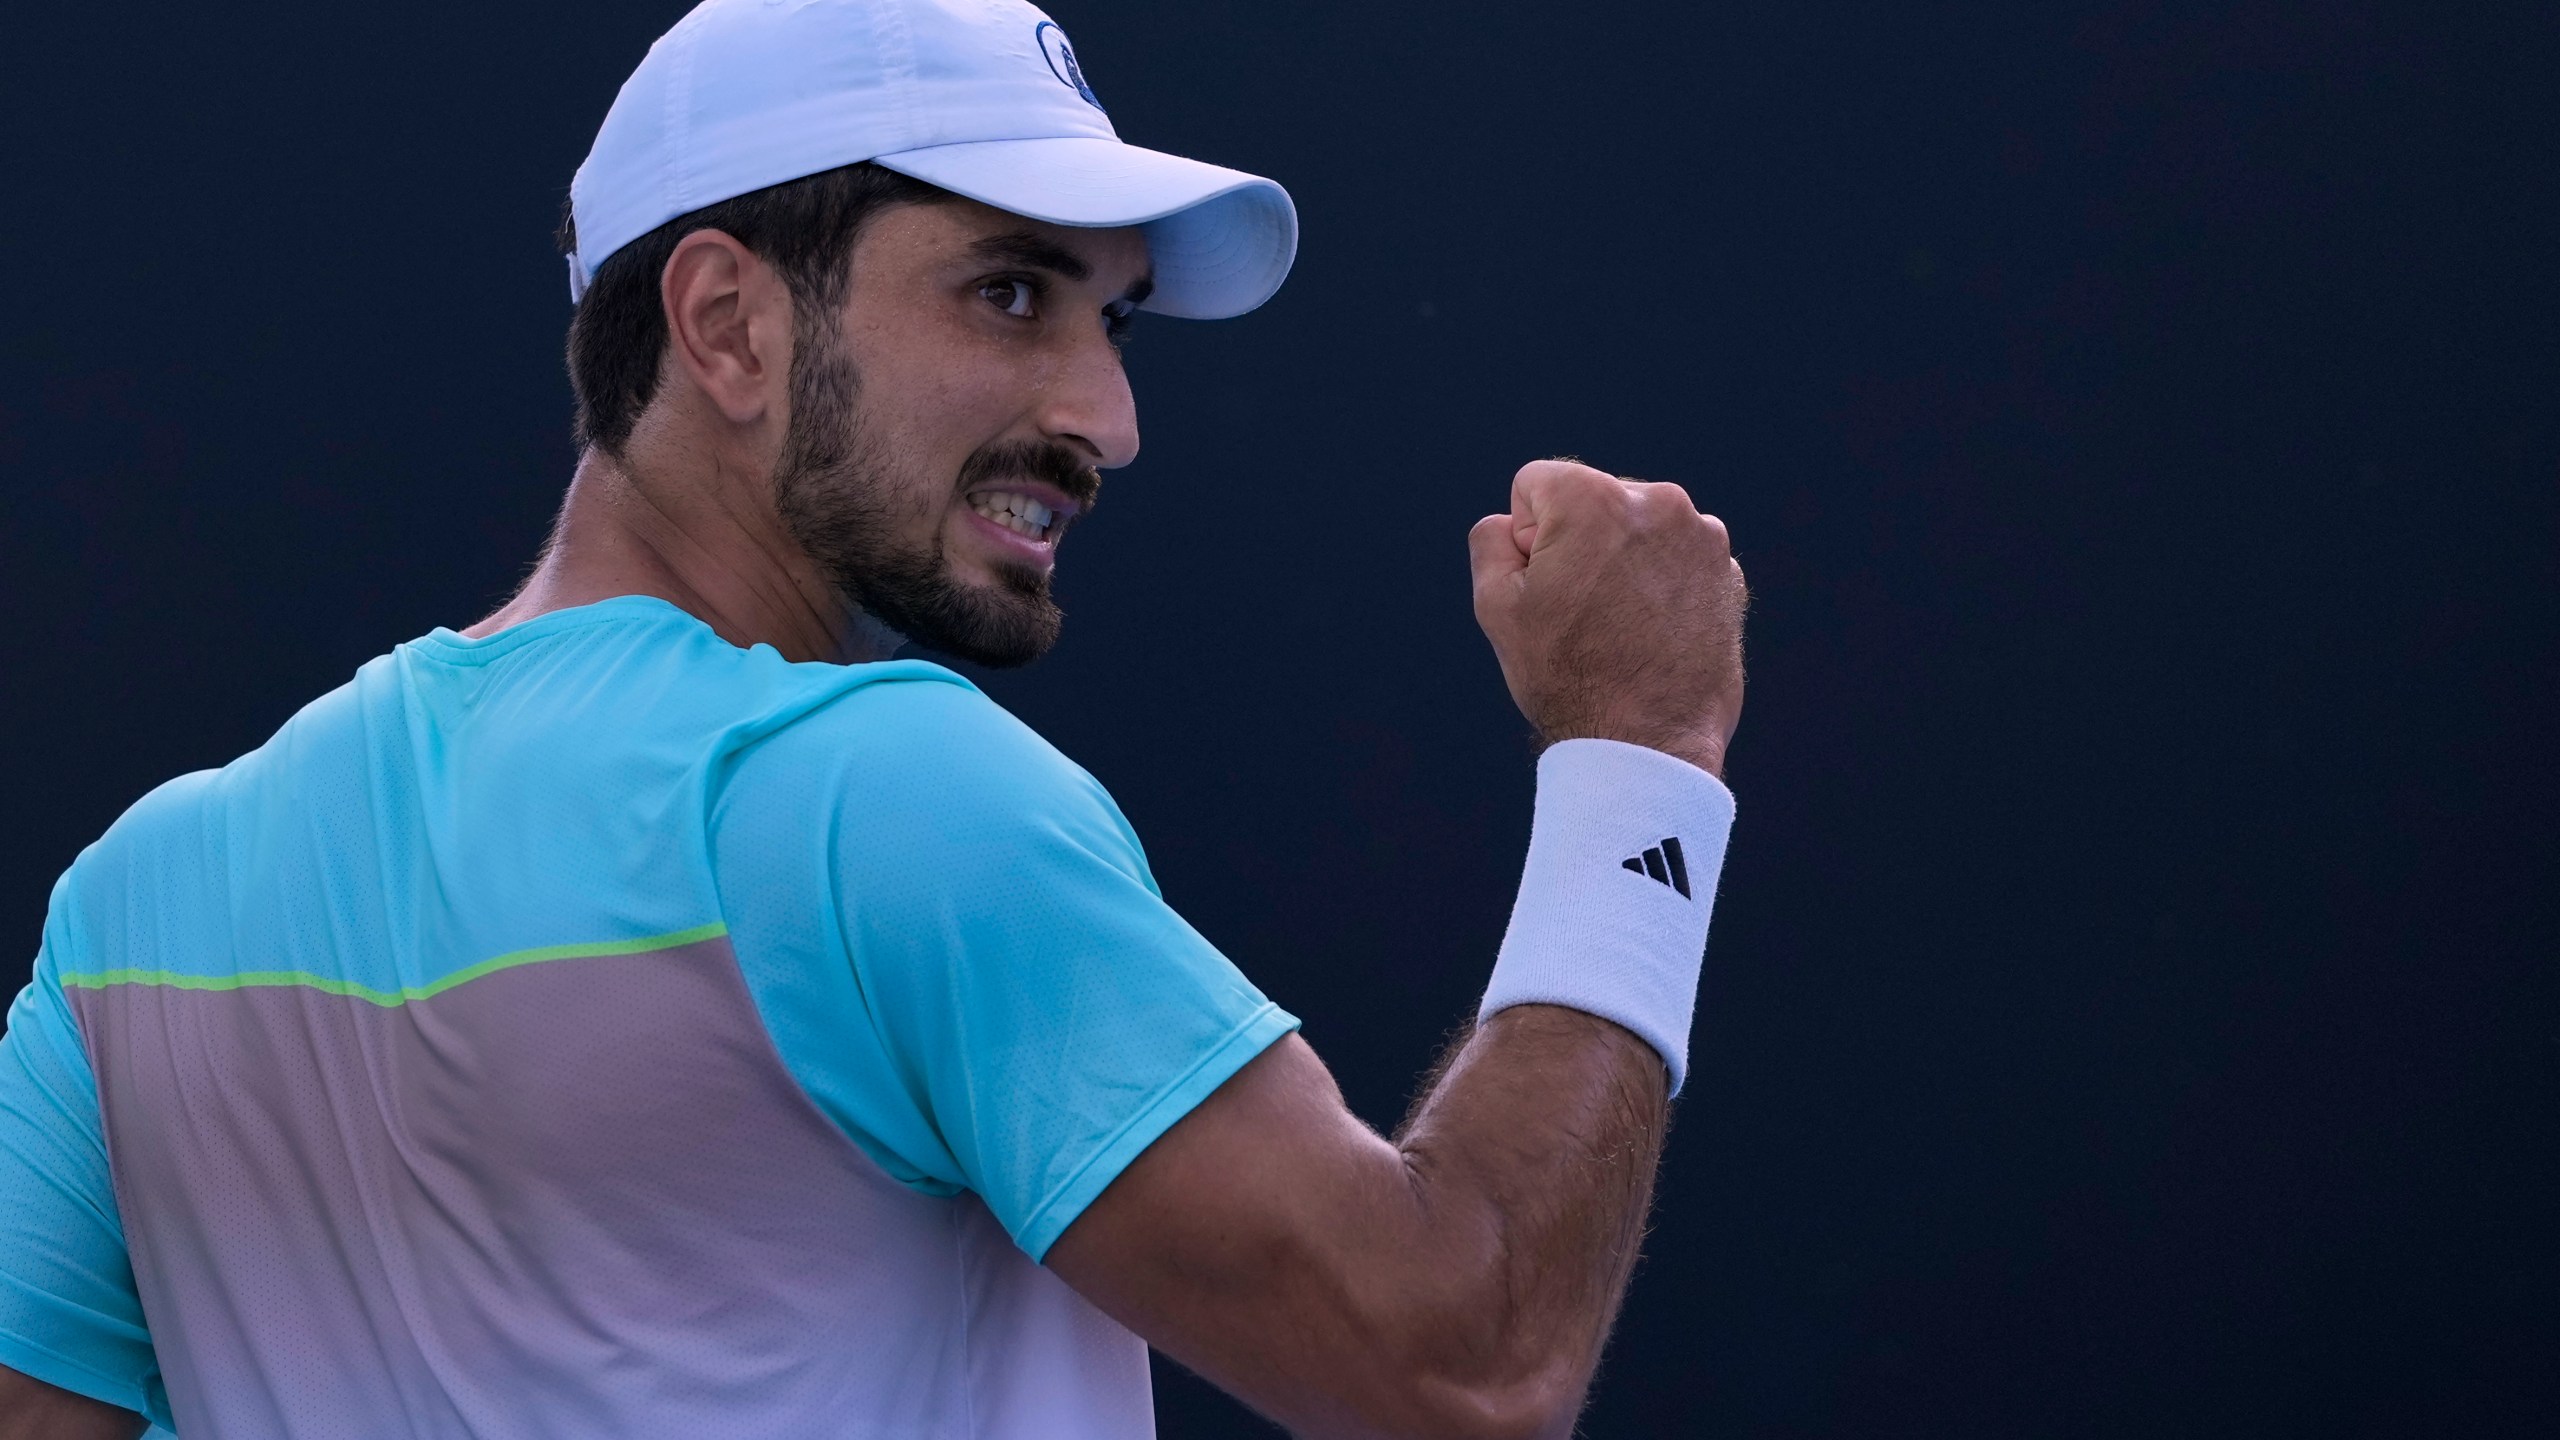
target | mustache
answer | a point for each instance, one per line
(1049, 464)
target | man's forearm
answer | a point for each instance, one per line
(1541, 1134)
(1454, 1282)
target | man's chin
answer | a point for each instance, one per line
(976, 572)
(1000, 618)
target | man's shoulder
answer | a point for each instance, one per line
(922, 753)
(173, 815)
(917, 713)
(190, 810)
(165, 859)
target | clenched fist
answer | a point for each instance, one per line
(1615, 609)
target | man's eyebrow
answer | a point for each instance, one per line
(1021, 247)
(1035, 252)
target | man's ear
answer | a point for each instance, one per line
(728, 324)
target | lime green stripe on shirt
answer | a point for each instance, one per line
(246, 979)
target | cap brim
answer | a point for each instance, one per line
(1221, 240)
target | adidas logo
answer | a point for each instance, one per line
(1664, 864)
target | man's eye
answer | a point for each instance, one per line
(1116, 317)
(1013, 297)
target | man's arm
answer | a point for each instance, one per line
(32, 1410)
(1455, 1281)
(1459, 1280)
(70, 1314)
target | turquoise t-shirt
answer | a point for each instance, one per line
(598, 1024)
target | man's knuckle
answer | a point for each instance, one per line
(1653, 507)
(1580, 480)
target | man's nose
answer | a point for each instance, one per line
(1090, 407)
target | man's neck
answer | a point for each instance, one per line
(626, 531)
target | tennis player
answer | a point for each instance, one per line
(654, 1011)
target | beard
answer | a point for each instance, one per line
(841, 500)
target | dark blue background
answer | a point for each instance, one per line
(2129, 1011)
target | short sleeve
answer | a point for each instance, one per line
(1037, 1015)
(69, 1313)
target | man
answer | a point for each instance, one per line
(653, 1011)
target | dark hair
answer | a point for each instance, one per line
(803, 228)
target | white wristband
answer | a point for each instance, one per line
(1612, 916)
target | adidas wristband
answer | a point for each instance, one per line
(1612, 916)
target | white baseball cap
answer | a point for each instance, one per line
(981, 97)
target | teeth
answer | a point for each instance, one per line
(1018, 513)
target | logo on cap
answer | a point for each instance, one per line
(1062, 60)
